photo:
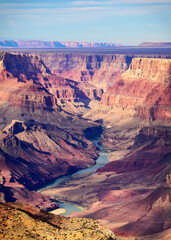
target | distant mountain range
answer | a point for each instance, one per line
(53, 44)
(72, 44)
(155, 44)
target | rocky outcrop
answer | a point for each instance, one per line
(28, 96)
(13, 194)
(22, 221)
(29, 72)
(144, 89)
(22, 66)
(21, 74)
(154, 69)
(99, 70)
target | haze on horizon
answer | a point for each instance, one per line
(129, 22)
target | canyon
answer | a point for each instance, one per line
(53, 103)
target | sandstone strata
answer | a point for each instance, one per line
(99, 70)
(144, 89)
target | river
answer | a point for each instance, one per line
(100, 162)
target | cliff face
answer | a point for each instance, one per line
(144, 89)
(29, 72)
(157, 70)
(22, 64)
(19, 83)
(99, 70)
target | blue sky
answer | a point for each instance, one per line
(128, 22)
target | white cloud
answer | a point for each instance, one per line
(111, 2)
(146, 1)
(153, 25)
(116, 10)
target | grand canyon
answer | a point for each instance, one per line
(54, 106)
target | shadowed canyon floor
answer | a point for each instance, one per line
(51, 106)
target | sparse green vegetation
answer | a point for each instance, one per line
(24, 223)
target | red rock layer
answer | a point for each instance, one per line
(30, 67)
(99, 70)
(144, 88)
(29, 95)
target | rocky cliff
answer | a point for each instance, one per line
(144, 89)
(99, 70)
(33, 73)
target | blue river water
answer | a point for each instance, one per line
(100, 162)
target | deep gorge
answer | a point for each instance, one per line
(53, 103)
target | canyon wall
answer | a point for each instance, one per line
(99, 70)
(27, 68)
(144, 89)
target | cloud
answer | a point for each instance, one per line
(116, 10)
(116, 2)
(146, 1)
(153, 25)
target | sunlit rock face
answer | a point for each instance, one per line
(144, 89)
(99, 70)
(23, 221)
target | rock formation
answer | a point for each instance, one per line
(144, 89)
(99, 70)
(22, 221)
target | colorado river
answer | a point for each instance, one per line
(100, 162)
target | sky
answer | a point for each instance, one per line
(129, 22)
